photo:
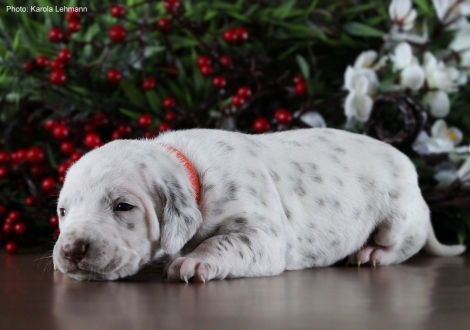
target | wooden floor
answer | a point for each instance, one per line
(424, 293)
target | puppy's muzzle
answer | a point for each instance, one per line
(75, 251)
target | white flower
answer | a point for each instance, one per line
(452, 12)
(412, 74)
(464, 172)
(443, 139)
(438, 102)
(445, 175)
(401, 14)
(362, 84)
(396, 35)
(461, 45)
(444, 79)
(368, 60)
(438, 75)
(312, 119)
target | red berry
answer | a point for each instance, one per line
(164, 25)
(238, 101)
(28, 66)
(72, 16)
(42, 62)
(35, 171)
(283, 117)
(14, 216)
(11, 248)
(206, 71)
(54, 221)
(124, 130)
(171, 5)
(4, 157)
(56, 64)
(75, 156)
(3, 172)
(99, 119)
(56, 35)
(148, 84)
(2, 210)
(64, 56)
(242, 34)
(48, 184)
(261, 125)
(117, 33)
(88, 128)
(118, 11)
(67, 147)
(58, 77)
(230, 36)
(219, 82)
(8, 228)
(74, 26)
(116, 135)
(300, 89)
(35, 155)
(92, 140)
(20, 228)
(226, 61)
(169, 103)
(144, 121)
(18, 156)
(244, 92)
(149, 135)
(49, 125)
(60, 132)
(163, 127)
(29, 201)
(62, 169)
(299, 79)
(203, 61)
(113, 76)
(170, 117)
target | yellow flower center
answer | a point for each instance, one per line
(451, 135)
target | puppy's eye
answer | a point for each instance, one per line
(62, 212)
(124, 207)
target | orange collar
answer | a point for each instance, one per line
(189, 170)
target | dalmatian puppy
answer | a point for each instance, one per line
(223, 205)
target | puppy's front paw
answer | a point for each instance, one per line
(185, 269)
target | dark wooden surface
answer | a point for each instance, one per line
(423, 293)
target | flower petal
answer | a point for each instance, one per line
(403, 56)
(365, 59)
(439, 103)
(412, 77)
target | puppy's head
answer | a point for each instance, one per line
(121, 206)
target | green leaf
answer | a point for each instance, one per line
(16, 41)
(304, 67)
(153, 101)
(129, 113)
(362, 30)
(423, 5)
(133, 94)
(285, 9)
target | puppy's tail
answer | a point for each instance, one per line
(435, 248)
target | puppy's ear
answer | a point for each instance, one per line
(180, 214)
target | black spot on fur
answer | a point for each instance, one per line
(245, 239)
(130, 226)
(339, 181)
(251, 173)
(317, 179)
(274, 176)
(335, 159)
(226, 146)
(298, 167)
(143, 165)
(241, 221)
(320, 202)
(367, 183)
(323, 139)
(340, 150)
(241, 254)
(299, 188)
(312, 166)
(394, 194)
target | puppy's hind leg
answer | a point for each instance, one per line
(394, 240)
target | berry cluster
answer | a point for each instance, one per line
(238, 84)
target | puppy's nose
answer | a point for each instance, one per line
(76, 251)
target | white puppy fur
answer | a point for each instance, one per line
(269, 203)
